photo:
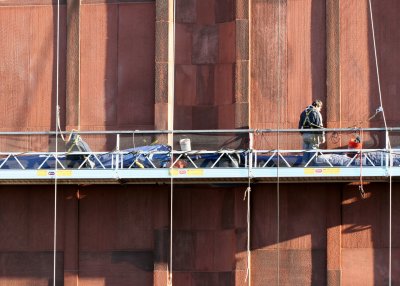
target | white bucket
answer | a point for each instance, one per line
(185, 144)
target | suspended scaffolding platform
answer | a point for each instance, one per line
(158, 163)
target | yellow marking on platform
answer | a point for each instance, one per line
(61, 173)
(64, 173)
(41, 173)
(321, 171)
(186, 172)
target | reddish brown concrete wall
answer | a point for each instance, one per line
(360, 93)
(205, 64)
(117, 73)
(119, 235)
(28, 72)
(287, 64)
(300, 43)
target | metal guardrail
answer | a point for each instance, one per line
(345, 158)
(243, 158)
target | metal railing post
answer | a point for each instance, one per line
(386, 150)
(251, 140)
(117, 153)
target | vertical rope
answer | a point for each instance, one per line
(278, 142)
(170, 268)
(387, 141)
(248, 218)
(169, 272)
(251, 142)
(56, 148)
(248, 268)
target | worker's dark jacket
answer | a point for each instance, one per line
(310, 119)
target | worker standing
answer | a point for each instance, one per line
(311, 118)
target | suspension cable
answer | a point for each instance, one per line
(388, 159)
(278, 143)
(56, 147)
(170, 269)
(248, 217)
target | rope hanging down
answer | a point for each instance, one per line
(389, 145)
(169, 268)
(247, 194)
(278, 143)
(248, 268)
(56, 148)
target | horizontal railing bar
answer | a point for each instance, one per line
(221, 131)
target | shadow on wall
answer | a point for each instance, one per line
(306, 213)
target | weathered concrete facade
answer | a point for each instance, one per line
(238, 63)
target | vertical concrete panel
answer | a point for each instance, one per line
(264, 216)
(27, 71)
(225, 115)
(288, 61)
(183, 44)
(227, 40)
(302, 234)
(388, 40)
(355, 62)
(333, 100)
(117, 236)
(205, 12)
(360, 230)
(224, 255)
(366, 235)
(306, 56)
(99, 47)
(205, 82)
(205, 234)
(334, 235)
(224, 84)
(97, 200)
(186, 11)
(368, 266)
(115, 214)
(224, 11)
(204, 250)
(71, 236)
(72, 65)
(124, 84)
(26, 251)
(210, 46)
(136, 72)
(185, 89)
(205, 45)
(183, 250)
(268, 65)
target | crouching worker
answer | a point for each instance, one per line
(354, 143)
(311, 118)
(75, 143)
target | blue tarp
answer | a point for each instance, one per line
(143, 155)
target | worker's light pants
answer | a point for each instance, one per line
(310, 141)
